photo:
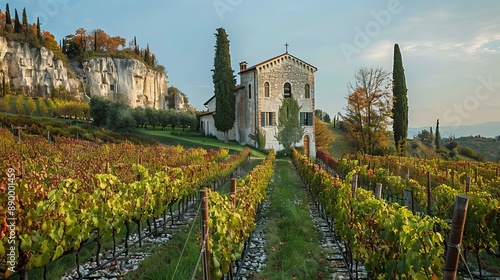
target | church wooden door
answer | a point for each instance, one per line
(306, 145)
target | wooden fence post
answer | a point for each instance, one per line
(378, 191)
(205, 234)
(456, 233)
(467, 185)
(429, 194)
(232, 190)
(354, 185)
(18, 128)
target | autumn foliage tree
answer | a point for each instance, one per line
(368, 111)
(323, 134)
(96, 40)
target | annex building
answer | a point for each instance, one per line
(259, 95)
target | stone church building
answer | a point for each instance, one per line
(259, 96)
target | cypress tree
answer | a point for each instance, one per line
(147, 55)
(8, 17)
(224, 83)
(38, 30)
(437, 138)
(136, 47)
(400, 106)
(95, 40)
(17, 23)
(25, 19)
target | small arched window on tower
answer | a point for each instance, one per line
(307, 91)
(287, 90)
(266, 89)
(249, 91)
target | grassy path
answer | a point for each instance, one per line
(293, 247)
(292, 241)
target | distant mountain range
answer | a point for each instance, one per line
(487, 129)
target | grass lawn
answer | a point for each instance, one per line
(193, 140)
(340, 145)
(176, 259)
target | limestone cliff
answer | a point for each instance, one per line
(32, 69)
(124, 78)
(36, 72)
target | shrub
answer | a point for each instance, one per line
(3, 105)
(451, 145)
(468, 152)
(453, 153)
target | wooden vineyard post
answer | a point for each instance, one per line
(456, 233)
(205, 234)
(497, 171)
(18, 128)
(452, 178)
(429, 194)
(467, 185)
(232, 190)
(354, 185)
(378, 191)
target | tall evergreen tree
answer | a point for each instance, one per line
(95, 40)
(437, 138)
(38, 30)
(224, 83)
(25, 19)
(17, 23)
(400, 105)
(8, 18)
(289, 129)
(147, 55)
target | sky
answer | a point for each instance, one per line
(450, 49)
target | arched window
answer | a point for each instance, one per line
(249, 91)
(266, 89)
(287, 90)
(307, 91)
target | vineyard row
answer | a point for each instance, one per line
(482, 229)
(69, 194)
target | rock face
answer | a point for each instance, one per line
(123, 78)
(36, 72)
(32, 69)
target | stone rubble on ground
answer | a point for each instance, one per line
(255, 259)
(126, 263)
